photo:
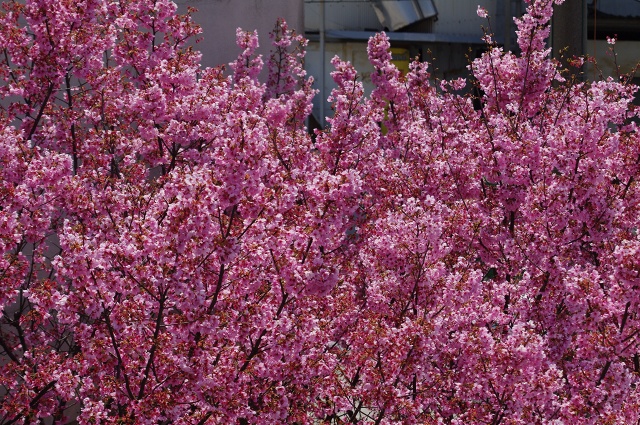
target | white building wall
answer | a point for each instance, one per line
(460, 17)
(220, 18)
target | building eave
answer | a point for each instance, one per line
(407, 37)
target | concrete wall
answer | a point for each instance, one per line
(627, 58)
(220, 18)
(341, 16)
(460, 17)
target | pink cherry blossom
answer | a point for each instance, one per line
(176, 248)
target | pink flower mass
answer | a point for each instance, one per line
(176, 248)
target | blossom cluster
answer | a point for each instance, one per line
(176, 248)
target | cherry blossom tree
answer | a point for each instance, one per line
(177, 249)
